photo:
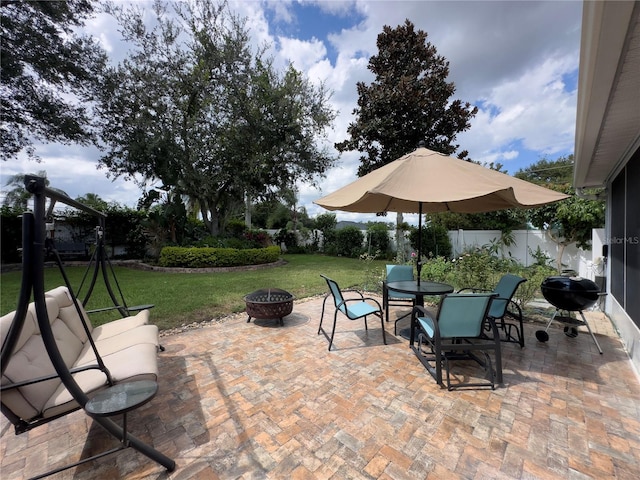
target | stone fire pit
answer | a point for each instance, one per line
(269, 303)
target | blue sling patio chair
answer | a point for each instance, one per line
(505, 312)
(352, 308)
(456, 333)
(391, 298)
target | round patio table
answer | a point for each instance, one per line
(120, 399)
(420, 291)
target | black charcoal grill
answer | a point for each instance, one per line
(569, 294)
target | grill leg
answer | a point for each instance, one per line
(590, 332)
(550, 321)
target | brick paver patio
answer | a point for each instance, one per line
(245, 400)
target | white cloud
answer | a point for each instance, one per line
(535, 110)
(281, 9)
(304, 55)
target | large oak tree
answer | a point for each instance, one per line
(195, 107)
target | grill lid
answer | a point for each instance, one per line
(570, 293)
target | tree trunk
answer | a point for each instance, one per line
(210, 219)
(214, 226)
(247, 211)
(400, 250)
(561, 247)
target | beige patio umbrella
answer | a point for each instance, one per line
(434, 182)
(426, 181)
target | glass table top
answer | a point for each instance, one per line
(122, 397)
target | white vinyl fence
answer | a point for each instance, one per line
(588, 263)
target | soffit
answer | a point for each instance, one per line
(608, 121)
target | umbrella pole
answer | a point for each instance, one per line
(419, 265)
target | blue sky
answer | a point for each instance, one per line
(517, 61)
(310, 21)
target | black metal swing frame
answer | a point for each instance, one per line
(98, 262)
(34, 245)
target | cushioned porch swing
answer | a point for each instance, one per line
(96, 365)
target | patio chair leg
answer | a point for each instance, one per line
(322, 314)
(333, 330)
(384, 336)
(395, 325)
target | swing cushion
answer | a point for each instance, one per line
(70, 316)
(134, 363)
(128, 348)
(30, 360)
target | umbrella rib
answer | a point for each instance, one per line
(386, 208)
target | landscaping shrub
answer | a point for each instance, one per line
(329, 245)
(530, 289)
(11, 228)
(289, 238)
(379, 239)
(478, 268)
(194, 231)
(349, 242)
(124, 226)
(234, 243)
(373, 276)
(200, 257)
(257, 238)
(209, 241)
(435, 241)
(437, 269)
(235, 228)
(136, 242)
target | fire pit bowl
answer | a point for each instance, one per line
(570, 293)
(269, 303)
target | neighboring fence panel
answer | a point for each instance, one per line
(588, 263)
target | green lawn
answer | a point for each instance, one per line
(182, 298)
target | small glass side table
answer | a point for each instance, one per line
(120, 399)
(115, 400)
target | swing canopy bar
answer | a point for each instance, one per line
(34, 184)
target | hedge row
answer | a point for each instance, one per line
(200, 257)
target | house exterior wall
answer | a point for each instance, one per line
(623, 266)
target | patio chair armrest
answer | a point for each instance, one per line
(493, 328)
(519, 310)
(374, 301)
(419, 311)
(515, 313)
(473, 290)
(353, 290)
(360, 300)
